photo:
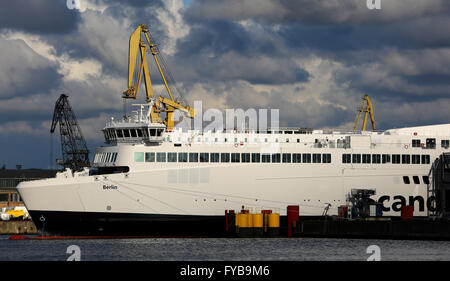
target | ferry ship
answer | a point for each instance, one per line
(152, 178)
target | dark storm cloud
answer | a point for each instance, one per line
(319, 11)
(38, 16)
(24, 72)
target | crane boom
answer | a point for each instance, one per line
(367, 111)
(74, 149)
(137, 45)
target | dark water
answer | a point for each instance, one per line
(290, 249)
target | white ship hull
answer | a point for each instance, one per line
(173, 191)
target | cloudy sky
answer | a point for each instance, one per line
(312, 60)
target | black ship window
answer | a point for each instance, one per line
(215, 157)
(366, 158)
(224, 157)
(245, 157)
(115, 157)
(235, 157)
(445, 143)
(182, 156)
(149, 157)
(256, 158)
(317, 158)
(133, 133)
(416, 180)
(193, 157)
(286, 158)
(415, 143)
(126, 133)
(296, 158)
(326, 158)
(152, 132)
(386, 158)
(431, 143)
(161, 157)
(171, 157)
(159, 132)
(204, 157)
(276, 158)
(415, 159)
(265, 158)
(425, 159)
(406, 180)
(376, 158)
(306, 158)
(346, 158)
(406, 159)
(119, 133)
(426, 179)
(356, 158)
(139, 133)
(395, 158)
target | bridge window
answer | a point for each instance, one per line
(152, 132)
(133, 133)
(416, 180)
(119, 133)
(126, 133)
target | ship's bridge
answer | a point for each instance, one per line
(136, 129)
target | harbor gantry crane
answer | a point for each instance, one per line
(162, 104)
(75, 153)
(367, 111)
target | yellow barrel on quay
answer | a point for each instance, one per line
(273, 229)
(258, 225)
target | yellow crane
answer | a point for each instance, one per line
(367, 111)
(137, 45)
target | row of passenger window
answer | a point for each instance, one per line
(426, 180)
(216, 157)
(105, 157)
(386, 158)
